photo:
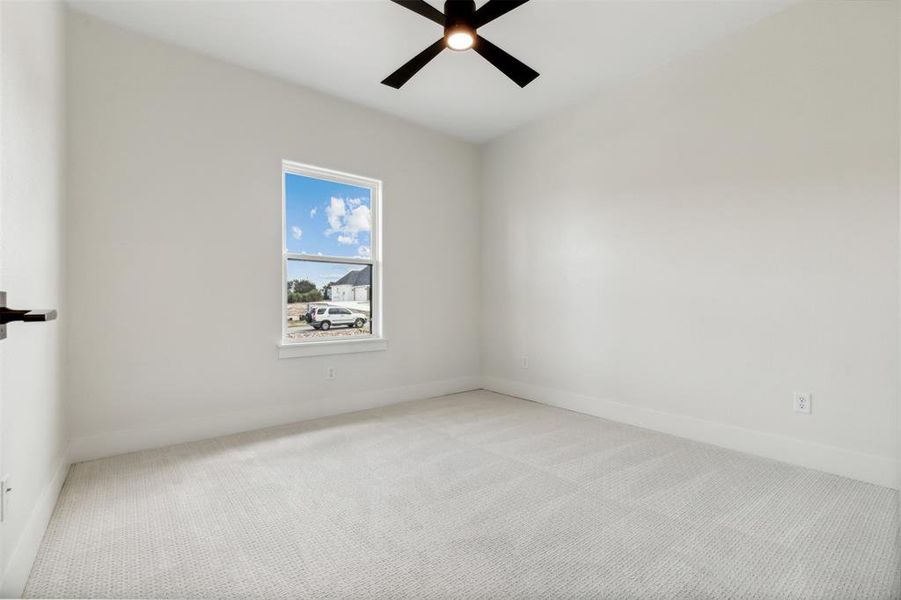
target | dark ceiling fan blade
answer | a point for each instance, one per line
(412, 66)
(513, 68)
(494, 9)
(423, 8)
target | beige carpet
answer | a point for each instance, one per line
(474, 495)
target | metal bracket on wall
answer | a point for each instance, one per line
(8, 315)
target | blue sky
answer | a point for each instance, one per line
(328, 218)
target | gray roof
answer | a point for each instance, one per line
(361, 277)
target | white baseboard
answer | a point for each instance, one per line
(22, 557)
(871, 468)
(190, 430)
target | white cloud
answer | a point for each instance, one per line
(364, 251)
(347, 223)
(360, 219)
(335, 211)
(296, 232)
(313, 212)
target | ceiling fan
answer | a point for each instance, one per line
(460, 20)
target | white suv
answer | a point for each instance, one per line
(327, 316)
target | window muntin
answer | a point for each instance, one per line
(330, 256)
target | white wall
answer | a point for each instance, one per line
(729, 228)
(174, 247)
(727, 225)
(33, 437)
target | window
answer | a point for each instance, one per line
(331, 262)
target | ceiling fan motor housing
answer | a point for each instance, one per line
(458, 14)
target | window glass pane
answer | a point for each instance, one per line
(327, 218)
(328, 300)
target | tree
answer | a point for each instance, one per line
(311, 296)
(303, 286)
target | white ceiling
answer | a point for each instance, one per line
(346, 47)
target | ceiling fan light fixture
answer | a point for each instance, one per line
(460, 38)
(461, 19)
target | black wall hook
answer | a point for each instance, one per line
(8, 315)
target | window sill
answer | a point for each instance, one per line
(301, 349)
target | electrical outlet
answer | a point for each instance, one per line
(802, 402)
(525, 362)
(5, 489)
(330, 373)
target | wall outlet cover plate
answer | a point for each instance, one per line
(802, 402)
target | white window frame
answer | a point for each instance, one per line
(323, 346)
